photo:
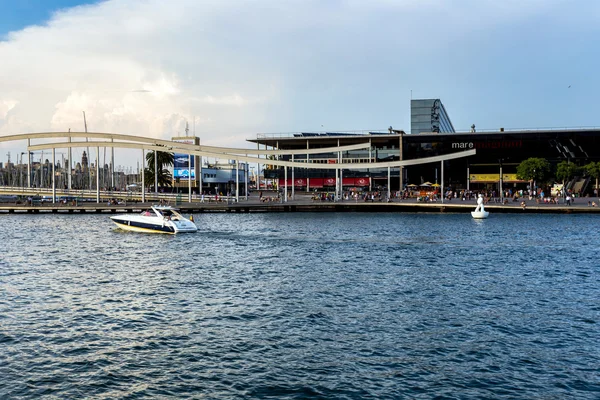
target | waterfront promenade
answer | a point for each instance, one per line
(304, 203)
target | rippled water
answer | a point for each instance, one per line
(291, 306)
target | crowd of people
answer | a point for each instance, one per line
(373, 196)
(519, 196)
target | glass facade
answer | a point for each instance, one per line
(429, 115)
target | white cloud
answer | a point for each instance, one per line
(5, 107)
(237, 68)
(134, 67)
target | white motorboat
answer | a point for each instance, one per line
(157, 219)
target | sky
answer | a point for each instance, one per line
(233, 68)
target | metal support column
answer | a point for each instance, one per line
(307, 170)
(155, 172)
(246, 170)
(237, 181)
(97, 174)
(389, 181)
(293, 179)
(285, 184)
(189, 178)
(112, 164)
(199, 168)
(370, 158)
(401, 168)
(88, 165)
(442, 182)
(41, 170)
(341, 184)
(70, 170)
(143, 177)
(338, 174)
(28, 163)
(468, 179)
(53, 175)
(501, 186)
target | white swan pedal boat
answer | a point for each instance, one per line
(480, 212)
(157, 219)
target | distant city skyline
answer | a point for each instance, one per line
(233, 69)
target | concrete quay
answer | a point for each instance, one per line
(304, 203)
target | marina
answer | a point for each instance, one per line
(311, 200)
(299, 165)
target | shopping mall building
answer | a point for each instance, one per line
(498, 153)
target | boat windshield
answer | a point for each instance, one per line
(171, 214)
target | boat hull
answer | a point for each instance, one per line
(479, 214)
(139, 226)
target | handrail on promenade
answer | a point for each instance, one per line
(90, 195)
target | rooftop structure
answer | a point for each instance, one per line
(429, 115)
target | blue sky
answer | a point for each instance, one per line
(17, 14)
(233, 68)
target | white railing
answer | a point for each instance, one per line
(560, 128)
(88, 194)
(317, 134)
(283, 135)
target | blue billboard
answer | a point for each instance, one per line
(182, 168)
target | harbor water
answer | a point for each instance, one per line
(302, 305)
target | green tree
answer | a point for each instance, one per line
(164, 177)
(566, 170)
(533, 168)
(593, 169)
(163, 159)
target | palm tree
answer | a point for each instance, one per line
(164, 177)
(163, 159)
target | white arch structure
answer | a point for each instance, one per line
(237, 154)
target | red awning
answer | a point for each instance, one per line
(321, 182)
